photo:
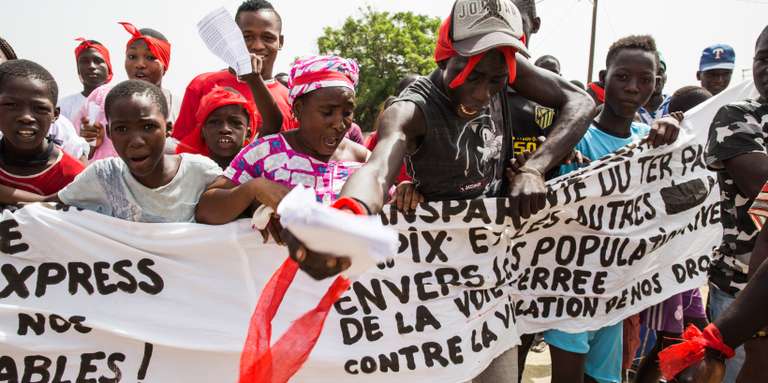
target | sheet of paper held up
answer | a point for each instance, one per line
(327, 230)
(225, 40)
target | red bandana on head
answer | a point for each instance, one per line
(444, 50)
(215, 99)
(103, 51)
(161, 49)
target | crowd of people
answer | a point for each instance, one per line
(488, 122)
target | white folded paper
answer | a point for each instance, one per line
(327, 230)
(224, 39)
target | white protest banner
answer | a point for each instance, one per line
(88, 298)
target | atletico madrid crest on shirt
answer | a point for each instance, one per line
(544, 116)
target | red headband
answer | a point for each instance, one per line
(85, 44)
(444, 50)
(215, 99)
(161, 49)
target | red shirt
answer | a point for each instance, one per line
(49, 181)
(202, 84)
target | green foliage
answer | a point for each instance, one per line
(387, 47)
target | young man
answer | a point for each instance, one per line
(462, 108)
(631, 68)
(262, 30)
(716, 67)
(738, 151)
(94, 69)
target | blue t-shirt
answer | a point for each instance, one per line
(596, 143)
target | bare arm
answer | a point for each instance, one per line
(749, 171)
(400, 128)
(224, 201)
(272, 118)
(575, 109)
(748, 313)
(10, 196)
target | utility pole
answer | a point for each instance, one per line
(592, 41)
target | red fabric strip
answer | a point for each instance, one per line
(103, 51)
(260, 363)
(599, 92)
(159, 48)
(676, 358)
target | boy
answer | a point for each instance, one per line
(94, 69)
(687, 97)
(632, 64)
(143, 184)
(31, 166)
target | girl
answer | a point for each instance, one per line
(147, 58)
(222, 126)
(317, 154)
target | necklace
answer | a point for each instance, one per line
(466, 111)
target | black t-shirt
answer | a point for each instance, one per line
(529, 121)
(457, 158)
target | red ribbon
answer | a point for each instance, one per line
(444, 50)
(675, 359)
(159, 48)
(103, 51)
(599, 92)
(262, 363)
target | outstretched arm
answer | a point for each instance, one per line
(10, 195)
(224, 201)
(400, 128)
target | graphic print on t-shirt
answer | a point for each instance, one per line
(479, 146)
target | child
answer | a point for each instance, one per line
(316, 154)
(630, 78)
(31, 166)
(147, 58)
(223, 124)
(143, 184)
(687, 97)
(94, 68)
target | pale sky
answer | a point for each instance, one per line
(44, 31)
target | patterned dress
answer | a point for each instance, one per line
(272, 158)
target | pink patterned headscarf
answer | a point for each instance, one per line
(312, 73)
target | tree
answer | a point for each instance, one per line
(387, 47)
